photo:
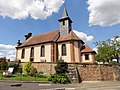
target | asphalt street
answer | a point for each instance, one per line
(93, 85)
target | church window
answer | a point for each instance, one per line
(42, 51)
(32, 52)
(63, 22)
(86, 56)
(63, 50)
(23, 53)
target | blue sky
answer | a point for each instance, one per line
(93, 20)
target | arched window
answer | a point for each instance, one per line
(63, 50)
(32, 52)
(23, 53)
(42, 51)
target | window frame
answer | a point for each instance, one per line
(42, 51)
(87, 56)
(32, 52)
(63, 23)
(23, 54)
(64, 51)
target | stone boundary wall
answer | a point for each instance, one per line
(96, 72)
(44, 67)
(86, 72)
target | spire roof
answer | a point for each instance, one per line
(65, 14)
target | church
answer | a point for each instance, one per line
(55, 45)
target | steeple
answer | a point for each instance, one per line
(65, 23)
(65, 14)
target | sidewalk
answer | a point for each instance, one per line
(85, 85)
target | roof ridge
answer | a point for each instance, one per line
(46, 32)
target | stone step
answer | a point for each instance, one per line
(73, 74)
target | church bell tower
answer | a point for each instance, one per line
(65, 23)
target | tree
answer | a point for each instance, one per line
(108, 50)
(116, 47)
(15, 64)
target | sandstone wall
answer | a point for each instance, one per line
(44, 67)
(95, 72)
(89, 72)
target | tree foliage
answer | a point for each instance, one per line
(108, 50)
(15, 64)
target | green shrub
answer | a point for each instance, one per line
(27, 68)
(50, 77)
(60, 75)
(59, 78)
(40, 74)
(61, 67)
(33, 71)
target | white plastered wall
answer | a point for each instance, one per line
(76, 51)
(37, 53)
(87, 61)
(66, 58)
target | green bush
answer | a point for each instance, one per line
(60, 75)
(41, 74)
(33, 71)
(50, 77)
(61, 67)
(27, 68)
(59, 78)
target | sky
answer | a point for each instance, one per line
(93, 20)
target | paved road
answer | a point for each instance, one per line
(106, 85)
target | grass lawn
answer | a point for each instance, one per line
(22, 78)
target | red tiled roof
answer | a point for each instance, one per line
(48, 37)
(87, 49)
(41, 38)
(70, 36)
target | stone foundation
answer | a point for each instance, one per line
(87, 72)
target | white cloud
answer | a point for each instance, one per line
(83, 36)
(7, 51)
(6, 47)
(36, 9)
(1, 54)
(104, 12)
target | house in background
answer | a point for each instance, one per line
(52, 46)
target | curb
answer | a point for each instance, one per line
(12, 81)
